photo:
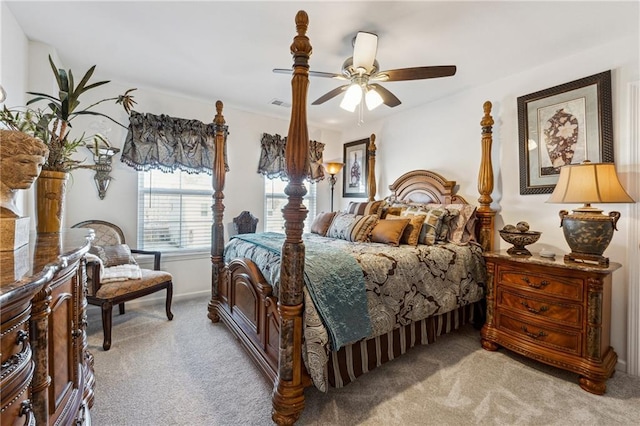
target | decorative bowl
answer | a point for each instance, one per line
(520, 240)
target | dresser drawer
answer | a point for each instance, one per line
(553, 285)
(554, 310)
(556, 338)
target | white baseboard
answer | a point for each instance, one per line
(159, 299)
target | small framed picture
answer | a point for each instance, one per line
(565, 124)
(354, 175)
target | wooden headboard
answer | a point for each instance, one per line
(425, 186)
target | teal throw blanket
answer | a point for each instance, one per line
(335, 282)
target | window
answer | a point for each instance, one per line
(174, 211)
(276, 199)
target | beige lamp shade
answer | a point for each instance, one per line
(333, 168)
(589, 183)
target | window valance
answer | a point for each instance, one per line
(168, 143)
(272, 158)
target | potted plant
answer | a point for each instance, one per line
(52, 125)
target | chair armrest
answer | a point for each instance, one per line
(93, 269)
(156, 257)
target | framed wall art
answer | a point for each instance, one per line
(354, 174)
(566, 124)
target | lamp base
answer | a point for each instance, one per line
(588, 233)
(584, 257)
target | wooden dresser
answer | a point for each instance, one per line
(555, 312)
(47, 372)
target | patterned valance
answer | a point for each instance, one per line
(272, 158)
(169, 143)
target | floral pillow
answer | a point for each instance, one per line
(352, 227)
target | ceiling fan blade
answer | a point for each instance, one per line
(327, 75)
(364, 50)
(312, 73)
(332, 94)
(388, 98)
(417, 73)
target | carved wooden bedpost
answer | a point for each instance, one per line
(371, 175)
(217, 231)
(485, 213)
(288, 395)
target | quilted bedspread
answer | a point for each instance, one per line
(403, 284)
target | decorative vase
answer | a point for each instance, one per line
(51, 188)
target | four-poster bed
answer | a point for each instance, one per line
(271, 322)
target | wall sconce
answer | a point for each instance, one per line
(102, 156)
(333, 169)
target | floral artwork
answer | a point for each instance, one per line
(561, 138)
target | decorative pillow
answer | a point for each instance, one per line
(351, 227)
(412, 231)
(371, 207)
(119, 254)
(462, 226)
(322, 222)
(389, 231)
(391, 211)
(432, 223)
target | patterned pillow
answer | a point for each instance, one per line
(371, 207)
(351, 227)
(389, 231)
(412, 231)
(462, 221)
(119, 254)
(431, 226)
(322, 222)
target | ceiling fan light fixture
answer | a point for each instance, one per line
(373, 99)
(352, 98)
(364, 50)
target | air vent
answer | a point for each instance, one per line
(279, 102)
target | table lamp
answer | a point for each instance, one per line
(587, 231)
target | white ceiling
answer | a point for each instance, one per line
(214, 50)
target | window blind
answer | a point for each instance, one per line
(276, 199)
(174, 211)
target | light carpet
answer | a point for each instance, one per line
(191, 372)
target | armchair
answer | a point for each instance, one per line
(107, 294)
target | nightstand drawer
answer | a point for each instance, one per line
(567, 287)
(555, 338)
(568, 314)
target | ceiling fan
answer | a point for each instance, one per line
(363, 73)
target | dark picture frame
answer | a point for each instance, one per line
(565, 124)
(355, 172)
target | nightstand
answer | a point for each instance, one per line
(554, 312)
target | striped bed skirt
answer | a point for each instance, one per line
(354, 360)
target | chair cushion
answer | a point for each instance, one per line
(118, 288)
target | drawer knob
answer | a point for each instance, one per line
(534, 310)
(533, 335)
(541, 284)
